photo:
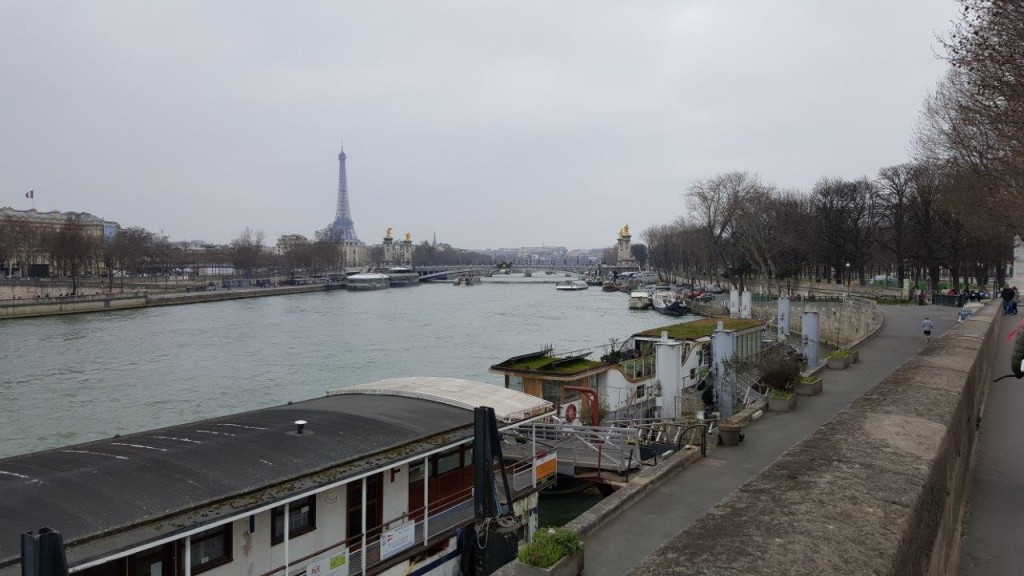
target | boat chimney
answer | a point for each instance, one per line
(300, 424)
(721, 325)
(664, 335)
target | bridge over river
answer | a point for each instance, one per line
(441, 272)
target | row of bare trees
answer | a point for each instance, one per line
(913, 220)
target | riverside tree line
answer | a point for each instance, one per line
(951, 210)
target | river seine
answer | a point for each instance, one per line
(71, 379)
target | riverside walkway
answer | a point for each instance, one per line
(994, 531)
(620, 543)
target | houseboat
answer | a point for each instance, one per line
(646, 376)
(639, 300)
(401, 276)
(604, 408)
(371, 281)
(372, 479)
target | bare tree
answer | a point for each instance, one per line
(247, 251)
(715, 204)
(72, 249)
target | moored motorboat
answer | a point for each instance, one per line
(570, 285)
(669, 304)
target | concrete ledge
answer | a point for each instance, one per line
(880, 489)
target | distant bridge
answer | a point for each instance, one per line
(428, 273)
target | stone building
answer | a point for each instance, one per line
(25, 234)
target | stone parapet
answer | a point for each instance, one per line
(880, 489)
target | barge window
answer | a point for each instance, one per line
(301, 519)
(552, 392)
(449, 461)
(211, 548)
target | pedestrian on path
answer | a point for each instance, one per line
(1007, 295)
(927, 326)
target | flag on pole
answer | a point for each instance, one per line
(30, 194)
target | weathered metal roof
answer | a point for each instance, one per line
(111, 494)
(509, 405)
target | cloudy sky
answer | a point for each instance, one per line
(491, 124)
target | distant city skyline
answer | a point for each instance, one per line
(493, 128)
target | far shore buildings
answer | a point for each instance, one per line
(24, 235)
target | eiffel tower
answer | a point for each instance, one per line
(343, 225)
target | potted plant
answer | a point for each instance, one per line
(729, 432)
(782, 399)
(553, 552)
(808, 385)
(839, 359)
(779, 373)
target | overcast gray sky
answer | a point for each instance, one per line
(493, 124)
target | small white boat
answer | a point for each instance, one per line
(571, 285)
(639, 300)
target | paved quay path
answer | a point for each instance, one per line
(614, 548)
(994, 531)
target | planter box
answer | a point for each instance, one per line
(781, 404)
(567, 566)
(809, 388)
(729, 435)
(834, 364)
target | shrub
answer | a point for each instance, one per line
(549, 546)
(779, 372)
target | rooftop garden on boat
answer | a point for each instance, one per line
(702, 328)
(546, 362)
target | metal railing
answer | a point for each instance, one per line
(638, 367)
(594, 447)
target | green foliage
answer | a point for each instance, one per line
(779, 372)
(809, 379)
(839, 354)
(893, 301)
(549, 546)
(781, 393)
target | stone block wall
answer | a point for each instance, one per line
(880, 489)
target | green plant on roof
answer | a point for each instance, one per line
(702, 327)
(840, 354)
(549, 546)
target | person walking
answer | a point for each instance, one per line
(926, 327)
(1007, 295)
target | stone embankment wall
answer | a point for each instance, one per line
(840, 323)
(880, 489)
(221, 295)
(25, 308)
(69, 305)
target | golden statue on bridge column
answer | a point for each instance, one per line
(624, 231)
(387, 235)
(408, 236)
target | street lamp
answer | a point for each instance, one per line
(847, 279)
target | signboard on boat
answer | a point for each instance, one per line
(397, 539)
(333, 565)
(545, 465)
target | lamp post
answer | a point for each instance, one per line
(847, 279)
